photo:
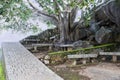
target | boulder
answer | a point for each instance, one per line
(110, 11)
(103, 35)
(94, 27)
(46, 62)
(80, 33)
(117, 37)
(81, 44)
(47, 57)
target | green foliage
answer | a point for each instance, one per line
(34, 29)
(2, 76)
(22, 26)
(80, 50)
(50, 6)
(14, 11)
(59, 6)
(11, 8)
(118, 2)
(87, 6)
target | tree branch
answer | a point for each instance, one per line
(73, 14)
(41, 12)
(40, 4)
(57, 5)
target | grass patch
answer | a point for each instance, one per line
(2, 76)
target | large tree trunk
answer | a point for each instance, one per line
(65, 30)
(66, 26)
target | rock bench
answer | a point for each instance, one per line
(66, 47)
(20, 64)
(84, 57)
(42, 45)
(113, 54)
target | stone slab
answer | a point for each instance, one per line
(110, 53)
(74, 56)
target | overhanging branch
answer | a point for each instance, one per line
(41, 12)
(57, 7)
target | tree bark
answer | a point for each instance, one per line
(67, 26)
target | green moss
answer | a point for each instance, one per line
(80, 50)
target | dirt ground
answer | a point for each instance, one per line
(100, 71)
(68, 73)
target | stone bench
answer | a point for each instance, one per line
(113, 54)
(20, 64)
(28, 41)
(81, 56)
(66, 47)
(29, 47)
(42, 45)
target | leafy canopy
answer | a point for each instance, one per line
(15, 11)
(10, 9)
(14, 14)
(58, 8)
